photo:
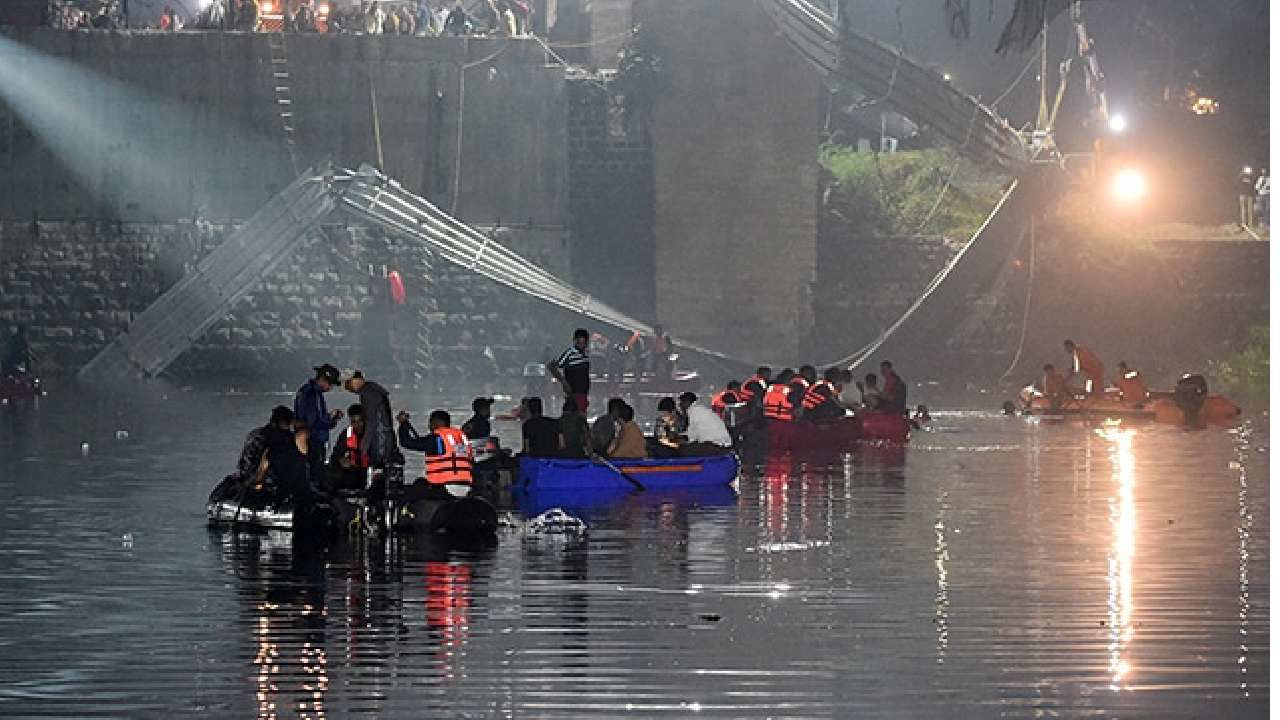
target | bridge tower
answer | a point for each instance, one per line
(735, 138)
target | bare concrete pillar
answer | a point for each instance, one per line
(735, 136)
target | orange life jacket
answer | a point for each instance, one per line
(777, 403)
(358, 459)
(1132, 387)
(813, 398)
(724, 398)
(454, 465)
(748, 387)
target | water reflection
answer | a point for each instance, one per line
(1124, 521)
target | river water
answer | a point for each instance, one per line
(998, 567)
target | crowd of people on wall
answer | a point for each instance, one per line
(421, 18)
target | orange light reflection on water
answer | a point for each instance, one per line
(1124, 523)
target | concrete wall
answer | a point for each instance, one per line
(735, 145)
(160, 125)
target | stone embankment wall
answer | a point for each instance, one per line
(78, 284)
(1166, 307)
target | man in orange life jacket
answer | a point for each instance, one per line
(730, 395)
(755, 387)
(777, 399)
(820, 399)
(349, 464)
(1132, 387)
(800, 383)
(1086, 368)
(449, 456)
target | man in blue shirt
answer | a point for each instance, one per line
(309, 407)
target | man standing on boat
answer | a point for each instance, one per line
(309, 407)
(1086, 367)
(573, 370)
(894, 389)
(379, 441)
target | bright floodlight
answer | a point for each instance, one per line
(1117, 123)
(1128, 186)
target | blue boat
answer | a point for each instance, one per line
(546, 474)
(598, 501)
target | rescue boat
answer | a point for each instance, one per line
(1189, 404)
(589, 501)
(545, 474)
(439, 512)
(841, 434)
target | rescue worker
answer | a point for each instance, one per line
(1052, 383)
(820, 400)
(756, 386)
(1131, 385)
(731, 395)
(706, 434)
(871, 397)
(478, 428)
(573, 370)
(255, 446)
(449, 456)
(309, 408)
(1085, 367)
(348, 464)
(379, 441)
(777, 399)
(800, 382)
(894, 389)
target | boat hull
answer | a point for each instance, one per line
(546, 474)
(1217, 409)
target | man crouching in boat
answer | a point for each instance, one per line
(255, 447)
(449, 457)
(349, 463)
(706, 434)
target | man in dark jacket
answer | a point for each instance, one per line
(379, 441)
(309, 407)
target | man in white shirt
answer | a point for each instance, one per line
(707, 434)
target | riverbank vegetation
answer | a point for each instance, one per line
(915, 192)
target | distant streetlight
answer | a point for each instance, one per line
(1117, 124)
(1128, 186)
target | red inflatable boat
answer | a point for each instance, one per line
(837, 435)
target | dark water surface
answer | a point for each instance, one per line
(997, 568)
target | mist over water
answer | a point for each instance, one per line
(995, 567)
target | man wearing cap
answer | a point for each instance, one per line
(309, 407)
(477, 428)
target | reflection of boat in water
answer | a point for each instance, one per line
(23, 386)
(586, 501)
(547, 474)
(1192, 404)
